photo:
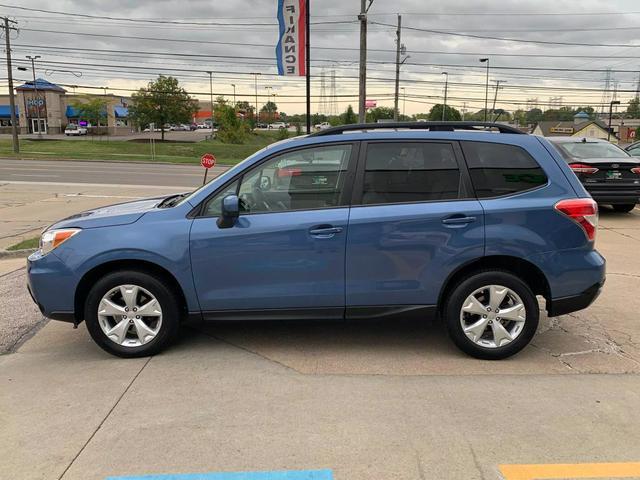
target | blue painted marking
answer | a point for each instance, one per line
(288, 475)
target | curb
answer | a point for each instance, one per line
(5, 254)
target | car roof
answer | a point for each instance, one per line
(565, 139)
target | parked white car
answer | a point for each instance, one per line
(277, 125)
(322, 126)
(73, 129)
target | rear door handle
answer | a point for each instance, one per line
(324, 231)
(458, 220)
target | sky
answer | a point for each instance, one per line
(236, 38)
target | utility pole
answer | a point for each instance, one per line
(495, 97)
(611, 104)
(35, 88)
(446, 84)
(398, 48)
(486, 88)
(404, 100)
(234, 94)
(362, 109)
(12, 100)
(255, 79)
(211, 98)
(268, 112)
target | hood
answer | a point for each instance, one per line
(112, 215)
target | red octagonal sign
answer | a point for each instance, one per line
(207, 160)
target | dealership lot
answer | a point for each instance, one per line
(364, 399)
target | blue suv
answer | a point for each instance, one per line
(467, 222)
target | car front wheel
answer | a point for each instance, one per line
(132, 314)
(491, 315)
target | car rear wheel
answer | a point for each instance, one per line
(132, 314)
(491, 315)
(624, 207)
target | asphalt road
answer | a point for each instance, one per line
(115, 173)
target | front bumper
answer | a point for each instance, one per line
(573, 303)
(51, 286)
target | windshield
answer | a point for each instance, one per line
(592, 150)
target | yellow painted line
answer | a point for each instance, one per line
(571, 470)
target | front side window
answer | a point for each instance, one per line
(299, 180)
(410, 172)
(213, 208)
(497, 169)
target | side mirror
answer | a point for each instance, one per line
(230, 211)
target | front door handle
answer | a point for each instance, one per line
(458, 220)
(324, 231)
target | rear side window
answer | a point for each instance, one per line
(498, 169)
(410, 172)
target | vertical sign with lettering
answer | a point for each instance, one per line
(290, 50)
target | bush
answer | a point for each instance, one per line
(283, 134)
(231, 129)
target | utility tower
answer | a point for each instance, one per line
(333, 102)
(606, 93)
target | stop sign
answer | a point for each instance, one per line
(207, 160)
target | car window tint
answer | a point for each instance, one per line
(410, 172)
(298, 180)
(213, 208)
(498, 169)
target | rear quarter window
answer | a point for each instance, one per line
(497, 170)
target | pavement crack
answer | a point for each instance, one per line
(248, 350)
(97, 429)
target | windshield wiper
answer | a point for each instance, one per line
(172, 200)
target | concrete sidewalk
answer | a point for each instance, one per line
(369, 400)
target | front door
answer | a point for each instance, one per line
(413, 222)
(39, 125)
(286, 253)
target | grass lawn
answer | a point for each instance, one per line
(28, 243)
(105, 149)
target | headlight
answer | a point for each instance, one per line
(54, 238)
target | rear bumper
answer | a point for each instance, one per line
(573, 303)
(612, 195)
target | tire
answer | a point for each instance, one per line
(624, 207)
(164, 327)
(484, 346)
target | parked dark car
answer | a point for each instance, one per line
(610, 174)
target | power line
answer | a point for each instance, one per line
(506, 39)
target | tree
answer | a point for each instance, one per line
(450, 113)
(349, 116)
(270, 108)
(633, 110)
(92, 109)
(379, 113)
(230, 128)
(245, 108)
(162, 102)
(533, 116)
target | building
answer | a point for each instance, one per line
(580, 126)
(47, 108)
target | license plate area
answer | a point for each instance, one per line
(613, 175)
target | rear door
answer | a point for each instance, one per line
(412, 222)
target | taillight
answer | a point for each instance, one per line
(582, 168)
(636, 170)
(583, 211)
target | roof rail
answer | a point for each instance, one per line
(431, 126)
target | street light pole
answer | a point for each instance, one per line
(446, 84)
(35, 88)
(614, 102)
(234, 94)
(268, 89)
(255, 78)
(486, 88)
(211, 97)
